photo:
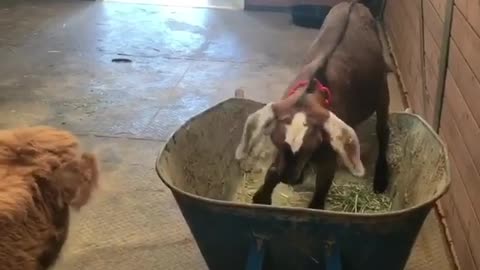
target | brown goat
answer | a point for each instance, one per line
(42, 173)
(342, 83)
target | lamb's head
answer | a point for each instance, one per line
(298, 125)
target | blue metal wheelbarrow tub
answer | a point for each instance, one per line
(198, 165)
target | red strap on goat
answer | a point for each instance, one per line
(318, 85)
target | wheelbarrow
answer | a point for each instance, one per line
(198, 166)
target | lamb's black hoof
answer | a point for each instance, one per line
(260, 198)
(316, 205)
(380, 181)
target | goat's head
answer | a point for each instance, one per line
(298, 125)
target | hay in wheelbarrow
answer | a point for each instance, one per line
(357, 198)
(345, 195)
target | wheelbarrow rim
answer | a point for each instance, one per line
(299, 211)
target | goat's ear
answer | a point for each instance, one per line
(344, 141)
(258, 124)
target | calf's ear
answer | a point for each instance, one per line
(344, 141)
(259, 124)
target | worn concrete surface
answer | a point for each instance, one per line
(56, 69)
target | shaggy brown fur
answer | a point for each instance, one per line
(42, 173)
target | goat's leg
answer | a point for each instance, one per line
(327, 165)
(380, 181)
(264, 193)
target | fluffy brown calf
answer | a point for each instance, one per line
(42, 174)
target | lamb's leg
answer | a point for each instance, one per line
(264, 193)
(326, 158)
(380, 182)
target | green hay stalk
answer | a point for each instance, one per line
(357, 198)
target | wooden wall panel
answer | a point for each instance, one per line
(461, 131)
(469, 96)
(460, 119)
(433, 32)
(432, 61)
(462, 202)
(467, 40)
(471, 10)
(401, 20)
(440, 6)
(456, 229)
(433, 21)
(454, 109)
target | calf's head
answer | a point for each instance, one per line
(297, 126)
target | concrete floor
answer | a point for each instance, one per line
(57, 70)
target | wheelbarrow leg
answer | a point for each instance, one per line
(333, 260)
(256, 255)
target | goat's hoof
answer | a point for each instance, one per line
(382, 174)
(380, 182)
(316, 205)
(379, 190)
(261, 199)
(380, 186)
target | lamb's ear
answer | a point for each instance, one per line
(344, 141)
(258, 124)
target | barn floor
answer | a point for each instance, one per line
(57, 69)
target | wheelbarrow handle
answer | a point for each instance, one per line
(256, 256)
(239, 93)
(332, 256)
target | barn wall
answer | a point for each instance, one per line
(460, 129)
(252, 4)
(401, 18)
(460, 118)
